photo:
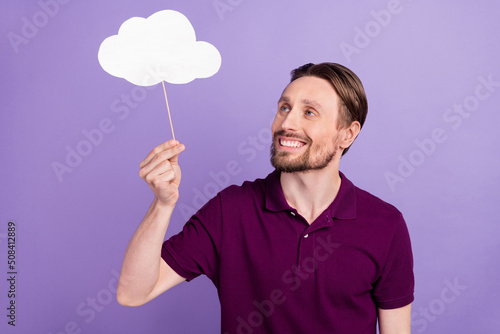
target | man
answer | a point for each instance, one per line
(301, 251)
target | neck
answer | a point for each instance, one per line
(311, 192)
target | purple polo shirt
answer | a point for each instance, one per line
(275, 273)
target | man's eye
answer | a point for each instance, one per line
(310, 113)
(284, 108)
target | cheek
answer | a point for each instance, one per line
(322, 136)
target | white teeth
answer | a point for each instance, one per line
(291, 143)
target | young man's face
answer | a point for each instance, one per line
(305, 135)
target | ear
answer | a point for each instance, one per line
(348, 134)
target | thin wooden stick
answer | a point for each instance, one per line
(168, 109)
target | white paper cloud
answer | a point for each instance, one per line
(161, 47)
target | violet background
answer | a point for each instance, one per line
(71, 235)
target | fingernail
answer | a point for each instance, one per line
(181, 146)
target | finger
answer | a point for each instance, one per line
(160, 148)
(169, 155)
(163, 173)
(178, 149)
(155, 169)
(164, 146)
(166, 155)
(159, 155)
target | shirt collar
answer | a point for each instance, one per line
(342, 207)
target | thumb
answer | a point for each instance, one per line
(177, 150)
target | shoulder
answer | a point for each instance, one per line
(241, 201)
(371, 208)
(383, 221)
(368, 201)
(235, 200)
(248, 189)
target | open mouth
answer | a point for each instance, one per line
(291, 143)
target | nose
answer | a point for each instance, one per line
(291, 121)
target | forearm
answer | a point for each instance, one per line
(141, 263)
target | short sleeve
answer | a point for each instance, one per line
(194, 251)
(395, 286)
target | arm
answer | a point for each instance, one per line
(395, 321)
(144, 274)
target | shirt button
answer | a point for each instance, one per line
(305, 236)
(292, 213)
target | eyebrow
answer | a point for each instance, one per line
(305, 101)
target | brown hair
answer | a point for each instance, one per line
(348, 87)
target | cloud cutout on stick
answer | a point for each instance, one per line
(162, 47)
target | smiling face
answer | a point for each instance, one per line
(305, 134)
